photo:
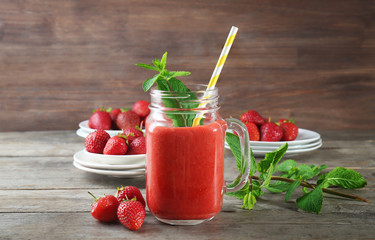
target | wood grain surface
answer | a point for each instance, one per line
(310, 60)
(43, 196)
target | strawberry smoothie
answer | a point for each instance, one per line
(185, 171)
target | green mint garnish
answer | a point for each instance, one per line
(290, 176)
(167, 81)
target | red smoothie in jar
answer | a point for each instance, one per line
(185, 171)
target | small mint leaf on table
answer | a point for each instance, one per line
(286, 165)
(345, 178)
(240, 194)
(312, 201)
(249, 201)
(291, 189)
(278, 187)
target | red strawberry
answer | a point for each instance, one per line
(128, 193)
(271, 132)
(96, 141)
(290, 131)
(131, 214)
(105, 208)
(137, 146)
(253, 131)
(252, 116)
(114, 112)
(127, 119)
(100, 120)
(116, 145)
(132, 133)
(141, 108)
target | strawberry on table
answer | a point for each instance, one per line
(116, 145)
(100, 120)
(252, 116)
(105, 208)
(141, 108)
(127, 119)
(96, 141)
(128, 193)
(131, 214)
(290, 131)
(137, 146)
(132, 133)
(270, 132)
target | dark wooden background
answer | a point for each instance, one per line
(310, 60)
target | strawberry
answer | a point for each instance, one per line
(132, 133)
(116, 145)
(105, 208)
(271, 132)
(96, 141)
(128, 193)
(290, 131)
(114, 112)
(100, 120)
(127, 119)
(253, 117)
(137, 146)
(141, 108)
(131, 214)
(253, 131)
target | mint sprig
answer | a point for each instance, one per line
(291, 176)
(167, 81)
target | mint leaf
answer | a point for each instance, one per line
(267, 166)
(306, 172)
(178, 74)
(240, 194)
(249, 201)
(156, 62)
(286, 165)
(291, 189)
(147, 66)
(345, 178)
(149, 82)
(253, 164)
(278, 187)
(163, 61)
(235, 146)
(312, 201)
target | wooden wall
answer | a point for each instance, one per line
(311, 60)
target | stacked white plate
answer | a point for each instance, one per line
(306, 141)
(85, 130)
(123, 166)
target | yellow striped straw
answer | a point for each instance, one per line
(217, 70)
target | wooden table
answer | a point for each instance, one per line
(43, 196)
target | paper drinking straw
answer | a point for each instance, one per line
(217, 70)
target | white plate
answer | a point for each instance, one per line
(81, 158)
(112, 173)
(271, 148)
(262, 153)
(84, 125)
(82, 133)
(114, 159)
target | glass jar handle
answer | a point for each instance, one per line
(240, 128)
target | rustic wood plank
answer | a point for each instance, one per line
(309, 60)
(255, 224)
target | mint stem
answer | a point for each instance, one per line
(309, 185)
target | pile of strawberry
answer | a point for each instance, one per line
(130, 142)
(262, 129)
(127, 206)
(115, 119)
